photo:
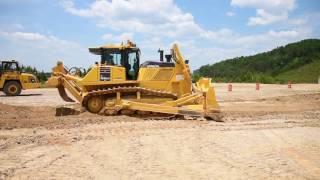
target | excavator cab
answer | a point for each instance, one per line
(127, 56)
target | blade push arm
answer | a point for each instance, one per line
(181, 62)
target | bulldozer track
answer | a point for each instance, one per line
(125, 90)
(143, 114)
(134, 89)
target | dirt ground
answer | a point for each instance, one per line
(267, 134)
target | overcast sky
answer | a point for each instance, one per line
(40, 32)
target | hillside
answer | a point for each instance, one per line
(298, 62)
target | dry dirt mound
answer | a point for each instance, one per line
(30, 117)
(248, 110)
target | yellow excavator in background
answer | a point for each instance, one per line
(120, 85)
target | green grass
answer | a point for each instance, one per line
(308, 73)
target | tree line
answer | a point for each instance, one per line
(41, 75)
(266, 67)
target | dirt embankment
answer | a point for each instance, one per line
(264, 137)
(32, 117)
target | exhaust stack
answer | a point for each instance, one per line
(161, 54)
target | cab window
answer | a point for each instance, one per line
(116, 59)
(9, 66)
(111, 58)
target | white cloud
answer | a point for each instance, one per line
(298, 21)
(267, 11)
(33, 39)
(230, 14)
(265, 4)
(224, 44)
(24, 36)
(157, 17)
(233, 44)
(118, 38)
(271, 37)
(223, 33)
(263, 18)
(42, 50)
(282, 34)
(160, 21)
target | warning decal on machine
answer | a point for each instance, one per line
(104, 73)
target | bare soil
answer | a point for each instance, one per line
(271, 133)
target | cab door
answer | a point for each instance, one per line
(132, 67)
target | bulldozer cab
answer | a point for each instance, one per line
(127, 56)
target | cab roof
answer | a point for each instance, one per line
(113, 48)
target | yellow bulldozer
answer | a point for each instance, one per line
(12, 80)
(119, 84)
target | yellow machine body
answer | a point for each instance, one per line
(175, 79)
(159, 88)
(12, 81)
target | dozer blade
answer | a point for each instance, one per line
(204, 85)
(188, 110)
(210, 105)
(63, 94)
(211, 101)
